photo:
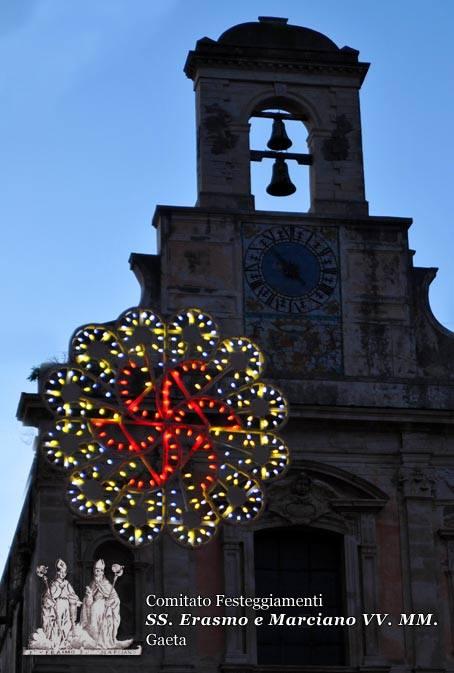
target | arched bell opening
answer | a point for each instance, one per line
(279, 157)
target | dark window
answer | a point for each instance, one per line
(297, 561)
(113, 552)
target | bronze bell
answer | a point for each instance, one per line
(280, 184)
(279, 139)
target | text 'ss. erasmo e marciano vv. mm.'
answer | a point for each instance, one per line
(183, 611)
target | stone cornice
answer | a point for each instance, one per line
(209, 54)
(446, 533)
(32, 412)
(359, 70)
(195, 213)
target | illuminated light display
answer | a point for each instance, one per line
(164, 426)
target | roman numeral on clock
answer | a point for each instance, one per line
(324, 289)
(290, 268)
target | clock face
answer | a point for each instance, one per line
(290, 269)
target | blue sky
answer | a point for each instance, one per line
(97, 127)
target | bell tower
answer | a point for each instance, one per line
(270, 64)
(343, 317)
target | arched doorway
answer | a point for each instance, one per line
(301, 561)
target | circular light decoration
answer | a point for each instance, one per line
(164, 426)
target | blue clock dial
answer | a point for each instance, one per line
(290, 269)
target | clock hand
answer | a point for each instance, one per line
(289, 269)
(279, 257)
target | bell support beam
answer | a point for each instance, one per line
(285, 116)
(302, 159)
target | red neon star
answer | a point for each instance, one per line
(166, 423)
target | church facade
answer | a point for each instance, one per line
(364, 515)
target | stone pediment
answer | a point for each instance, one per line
(314, 493)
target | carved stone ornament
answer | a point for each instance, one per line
(337, 146)
(302, 499)
(417, 482)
